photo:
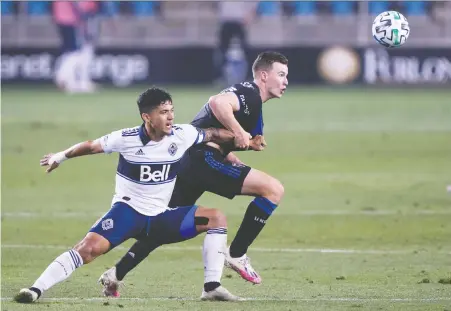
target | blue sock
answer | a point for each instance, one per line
(254, 220)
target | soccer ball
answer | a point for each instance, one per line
(391, 29)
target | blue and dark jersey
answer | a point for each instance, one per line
(249, 116)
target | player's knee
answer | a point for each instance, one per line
(89, 249)
(85, 251)
(217, 219)
(274, 191)
(279, 191)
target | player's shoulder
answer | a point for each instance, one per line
(183, 131)
(246, 86)
(125, 135)
(180, 129)
(246, 89)
(129, 131)
(186, 134)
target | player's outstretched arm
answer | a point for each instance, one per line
(223, 106)
(85, 148)
(218, 136)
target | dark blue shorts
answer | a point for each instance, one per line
(122, 222)
(213, 173)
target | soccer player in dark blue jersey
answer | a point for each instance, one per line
(215, 168)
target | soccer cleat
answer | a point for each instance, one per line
(242, 266)
(26, 295)
(219, 294)
(110, 283)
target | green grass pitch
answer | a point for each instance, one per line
(365, 223)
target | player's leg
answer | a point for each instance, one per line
(242, 34)
(214, 174)
(92, 246)
(183, 223)
(88, 53)
(213, 222)
(116, 226)
(86, 56)
(133, 257)
(65, 76)
(186, 222)
(268, 193)
(225, 36)
(63, 266)
(184, 194)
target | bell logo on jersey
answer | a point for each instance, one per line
(147, 175)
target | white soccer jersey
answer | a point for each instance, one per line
(147, 170)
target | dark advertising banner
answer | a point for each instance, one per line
(38, 65)
(117, 66)
(307, 65)
(407, 66)
(381, 66)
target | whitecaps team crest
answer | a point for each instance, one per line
(107, 224)
(172, 149)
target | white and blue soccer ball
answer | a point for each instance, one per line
(391, 29)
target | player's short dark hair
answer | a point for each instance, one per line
(265, 60)
(152, 98)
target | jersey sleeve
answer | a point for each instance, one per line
(113, 142)
(192, 135)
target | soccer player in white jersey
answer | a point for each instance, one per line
(148, 158)
(218, 170)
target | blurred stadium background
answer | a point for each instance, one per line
(361, 142)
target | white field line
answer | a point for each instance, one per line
(254, 249)
(325, 299)
(300, 212)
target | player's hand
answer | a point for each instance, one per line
(262, 141)
(258, 143)
(242, 140)
(50, 161)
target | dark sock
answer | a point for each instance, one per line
(137, 253)
(254, 220)
(208, 287)
(36, 290)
